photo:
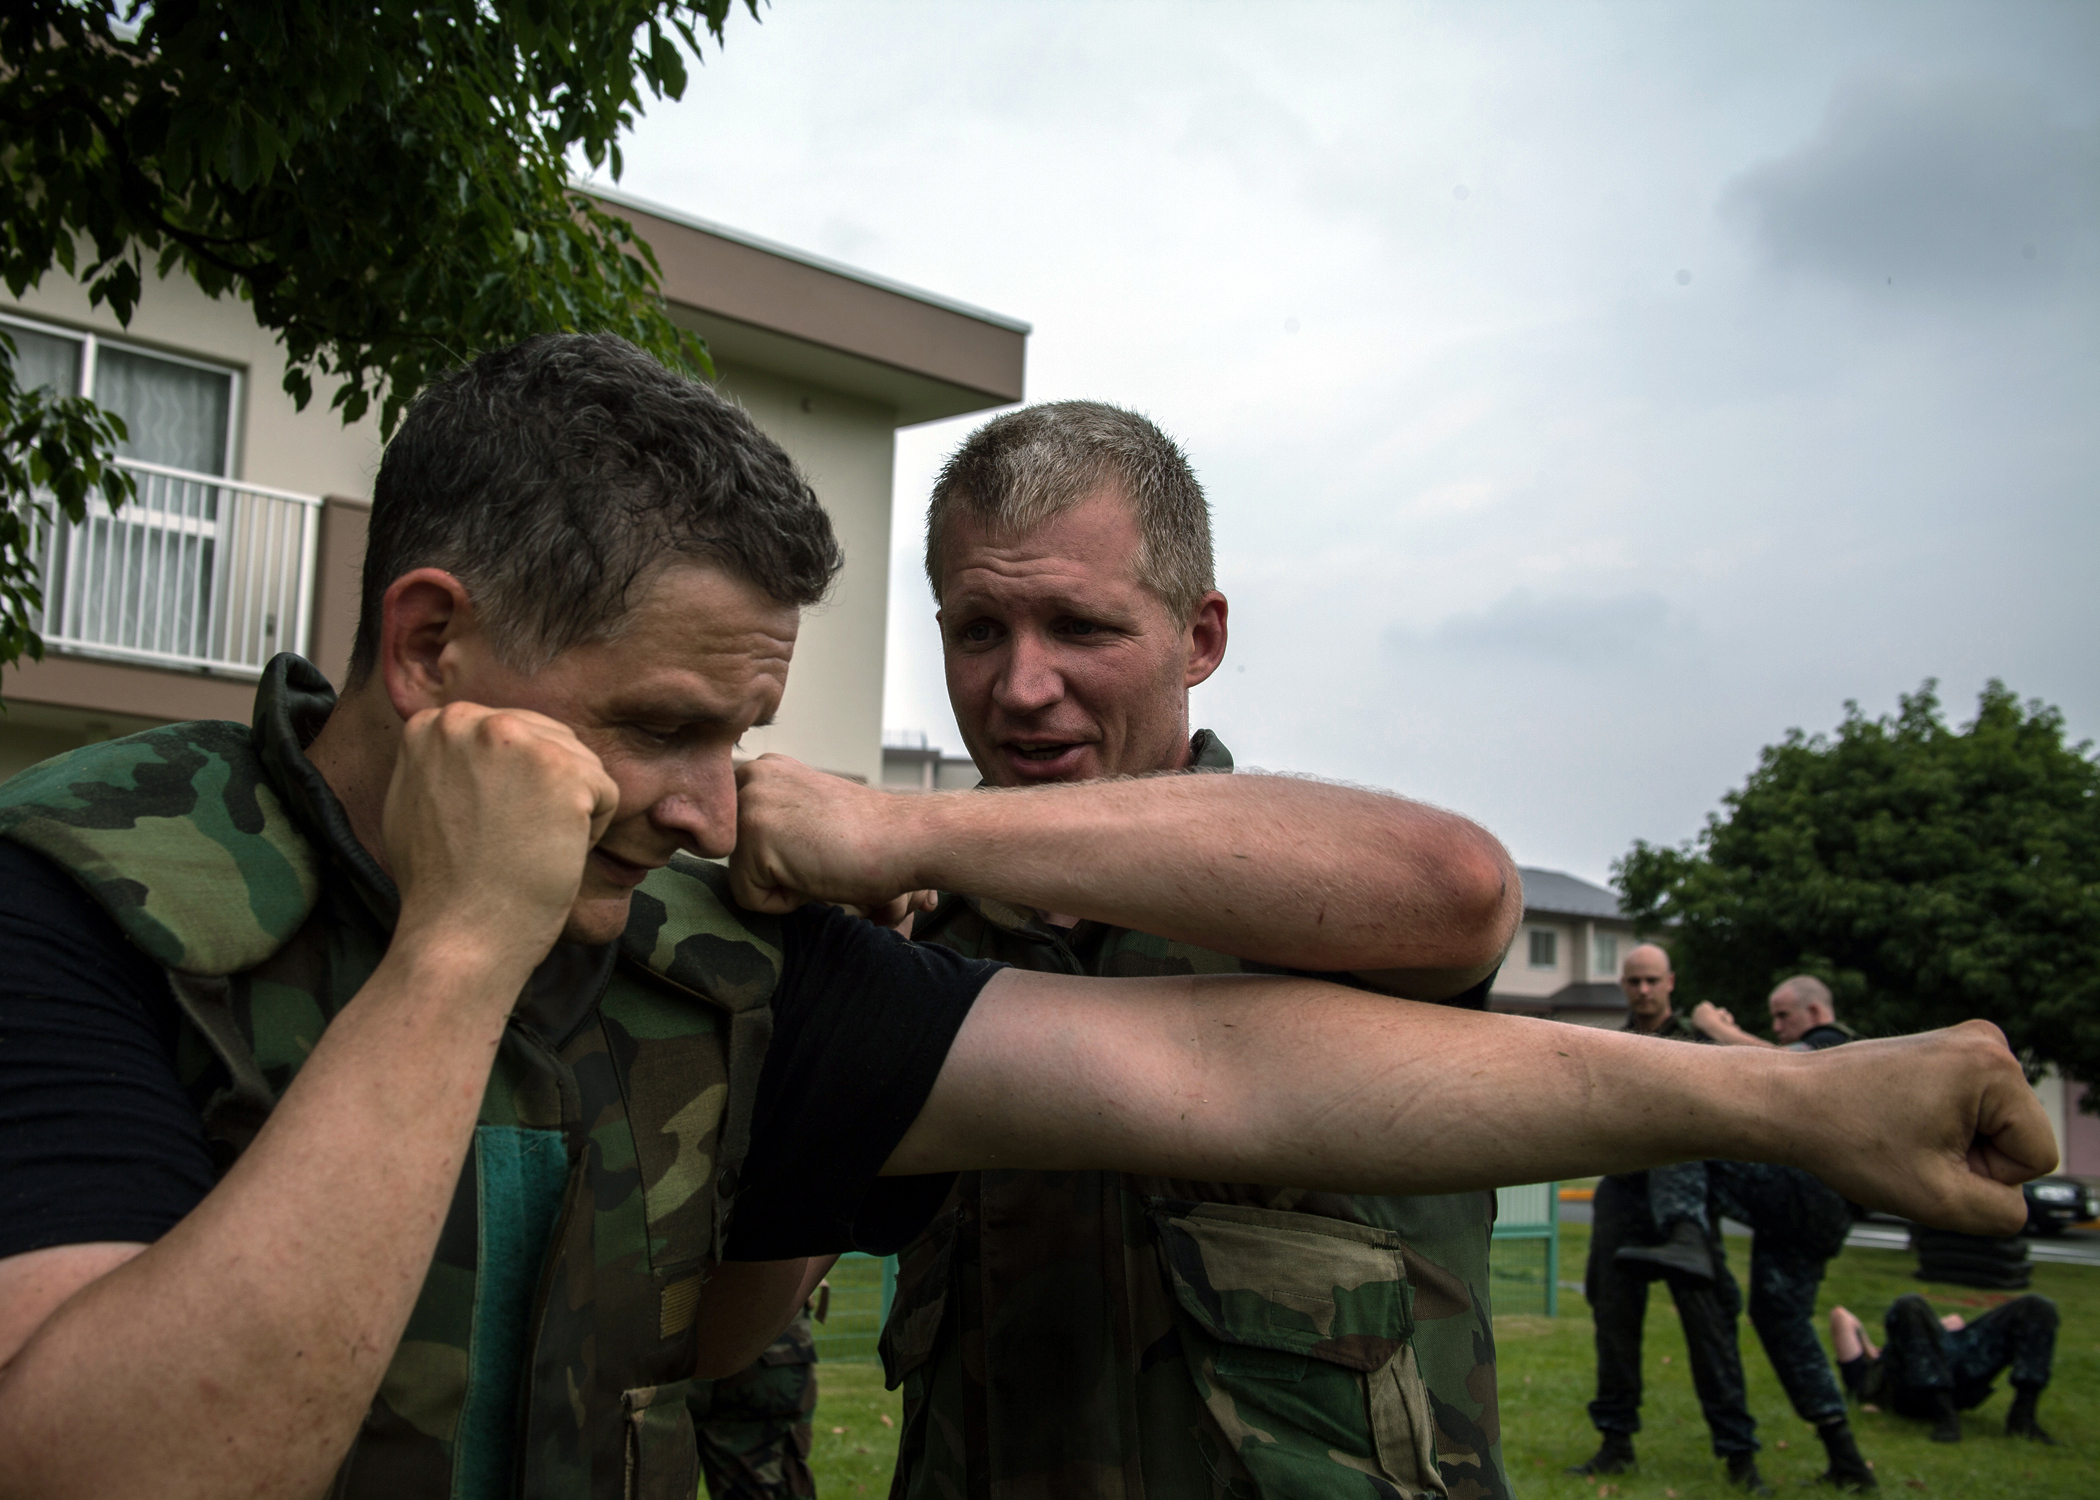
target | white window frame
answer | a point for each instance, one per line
(1531, 947)
(91, 345)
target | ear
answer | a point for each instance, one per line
(1206, 638)
(424, 619)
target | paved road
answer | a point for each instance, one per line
(2076, 1247)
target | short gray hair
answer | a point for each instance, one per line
(1809, 990)
(555, 477)
(1028, 467)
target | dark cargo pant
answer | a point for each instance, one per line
(755, 1428)
(1922, 1357)
(1618, 1296)
(1799, 1225)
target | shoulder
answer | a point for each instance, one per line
(177, 834)
(684, 926)
(1830, 1035)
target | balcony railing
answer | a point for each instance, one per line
(196, 571)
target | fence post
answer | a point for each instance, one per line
(1552, 1249)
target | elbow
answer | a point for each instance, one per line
(1479, 899)
(1486, 898)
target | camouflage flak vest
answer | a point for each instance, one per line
(1095, 1336)
(550, 1352)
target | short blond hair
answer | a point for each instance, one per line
(1027, 467)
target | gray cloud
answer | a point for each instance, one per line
(1957, 184)
(1627, 629)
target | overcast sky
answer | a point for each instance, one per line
(1585, 393)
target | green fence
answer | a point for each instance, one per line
(1523, 1269)
(1524, 1260)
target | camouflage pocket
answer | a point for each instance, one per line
(1296, 1331)
(663, 1454)
(925, 1270)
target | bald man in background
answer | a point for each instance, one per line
(1617, 1288)
(1804, 1019)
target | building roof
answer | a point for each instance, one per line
(1549, 891)
(808, 258)
(775, 308)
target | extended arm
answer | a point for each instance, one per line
(1276, 869)
(1719, 1024)
(244, 1347)
(1293, 1081)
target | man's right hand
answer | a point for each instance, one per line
(1714, 1020)
(1939, 1127)
(489, 818)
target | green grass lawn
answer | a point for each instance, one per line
(1548, 1374)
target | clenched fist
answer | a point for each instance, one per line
(489, 818)
(806, 835)
(1939, 1127)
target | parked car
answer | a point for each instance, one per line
(2056, 1203)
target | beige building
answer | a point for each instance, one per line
(1565, 962)
(910, 764)
(249, 527)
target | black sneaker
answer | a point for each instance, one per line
(1614, 1456)
(1847, 1471)
(2020, 1421)
(1684, 1253)
(1742, 1473)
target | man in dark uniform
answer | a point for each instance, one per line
(1798, 1222)
(1617, 1287)
(1934, 1368)
(1804, 1019)
(1799, 1225)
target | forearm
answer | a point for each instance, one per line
(244, 1347)
(1274, 869)
(745, 1306)
(1294, 1081)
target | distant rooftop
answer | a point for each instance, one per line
(664, 211)
(1566, 896)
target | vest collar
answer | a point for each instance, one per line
(292, 702)
(1208, 753)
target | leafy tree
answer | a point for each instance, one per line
(385, 182)
(1926, 874)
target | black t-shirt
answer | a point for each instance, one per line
(99, 1142)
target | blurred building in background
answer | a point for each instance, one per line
(248, 530)
(1565, 962)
